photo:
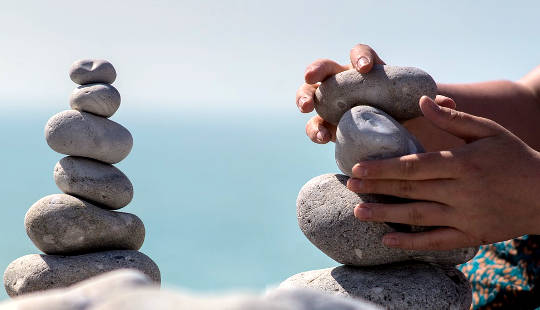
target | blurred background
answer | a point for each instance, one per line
(208, 93)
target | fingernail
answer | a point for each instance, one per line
(320, 136)
(363, 213)
(302, 101)
(361, 171)
(362, 61)
(355, 184)
(434, 106)
(390, 241)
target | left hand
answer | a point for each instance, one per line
(485, 191)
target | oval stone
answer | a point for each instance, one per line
(100, 99)
(395, 90)
(88, 71)
(367, 133)
(92, 180)
(37, 272)
(410, 285)
(63, 224)
(83, 134)
(325, 214)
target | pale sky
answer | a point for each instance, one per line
(240, 55)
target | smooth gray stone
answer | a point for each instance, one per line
(83, 134)
(38, 272)
(408, 285)
(325, 214)
(367, 133)
(63, 224)
(395, 90)
(88, 71)
(83, 295)
(100, 99)
(92, 180)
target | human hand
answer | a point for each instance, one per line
(485, 191)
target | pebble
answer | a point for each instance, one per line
(325, 215)
(63, 224)
(83, 134)
(88, 71)
(37, 272)
(100, 99)
(367, 133)
(100, 183)
(409, 285)
(395, 90)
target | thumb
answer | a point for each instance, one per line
(457, 123)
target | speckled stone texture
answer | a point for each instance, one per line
(100, 99)
(84, 134)
(325, 214)
(88, 71)
(92, 180)
(395, 90)
(63, 224)
(367, 133)
(36, 272)
(411, 285)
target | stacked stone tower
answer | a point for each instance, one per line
(364, 107)
(79, 231)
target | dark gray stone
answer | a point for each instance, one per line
(367, 133)
(84, 134)
(92, 180)
(63, 224)
(410, 285)
(325, 214)
(395, 90)
(35, 272)
(88, 71)
(100, 99)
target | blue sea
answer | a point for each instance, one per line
(216, 191)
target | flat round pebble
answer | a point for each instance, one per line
(410, 285)
(63, 224)
(37, 272)
(325, 215)
(92, 180)
(88, 71)
(367, 133)
(83, 134)
(395, 90)
(99, 99)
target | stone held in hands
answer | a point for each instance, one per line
(83, 134)
(395, 90)
(88, 71)
(325, 215)
(367, 133)
(63, 224)
(410, 285)
(100, 99)
(94, 181)
(37, 272)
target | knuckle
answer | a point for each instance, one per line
(433, 244)
(415, 216)
(404, 188)
(408, 167)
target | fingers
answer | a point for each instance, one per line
(364, 57)
(304, 97)
(463, 125)
(320, 131)
(320, 69)
(415, 213)
(433, 190)
(446, 102)
(424, 166)
(444, 238)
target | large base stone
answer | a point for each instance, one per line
(411, 285)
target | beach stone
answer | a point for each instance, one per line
(100, 99)
(89, 179)
(83, 134)
(82, 295)
(410, 285)
(63, 224)
(395, 90)
(367, 133)
(88, 71)
(38, 272)
(325, 215)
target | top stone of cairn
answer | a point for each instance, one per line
(87, 71)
